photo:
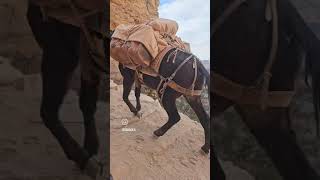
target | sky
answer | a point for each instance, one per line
(193, 17)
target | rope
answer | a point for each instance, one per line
(195, 75)
(266, 76)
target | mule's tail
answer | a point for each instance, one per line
(314, 71)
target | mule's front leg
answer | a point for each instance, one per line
(137, 92)
(54, 89)
(87, 101)
(128, 81)
(90, 79)
(169, 104)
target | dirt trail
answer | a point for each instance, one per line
(137, 154)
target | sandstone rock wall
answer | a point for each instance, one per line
(127, 12)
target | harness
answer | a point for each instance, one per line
(259, 93)
(169, 82)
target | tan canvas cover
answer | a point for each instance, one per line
(140, 44)
(166, 26)
(141, 33)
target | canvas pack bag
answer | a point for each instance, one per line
(139, 45)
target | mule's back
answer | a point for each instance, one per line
(61, 9)
(242, 45)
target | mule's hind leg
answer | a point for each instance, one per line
(88, 105)
(272, 132)
(90, 79)
(56, 71)
(169, 104)
(59, 43)
(196, 105)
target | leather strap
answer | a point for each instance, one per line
(249, 95)
(182, 90)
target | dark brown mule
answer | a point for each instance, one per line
(61, 55)
(241, 47)
(184, 77)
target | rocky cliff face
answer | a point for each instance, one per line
(126, 12)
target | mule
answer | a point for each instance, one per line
(61, 55)
(184, 77)
(241, 47)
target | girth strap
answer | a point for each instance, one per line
(182, 90)
(249, 95)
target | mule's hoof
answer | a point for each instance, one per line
(95, 169)
(158, 133)
(138, 114)
(205, 149)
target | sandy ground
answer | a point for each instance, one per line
(27, 149)
(139, 155)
